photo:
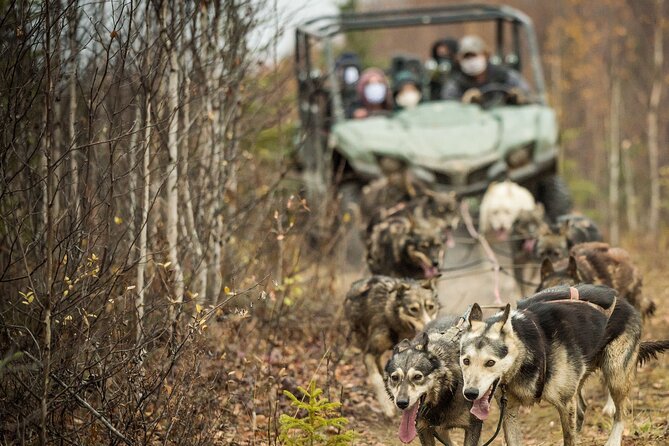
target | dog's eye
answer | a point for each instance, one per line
(413, 310)
(429, 307)
(417, 377)
(394, 378)
(465, 361)
(489, 363)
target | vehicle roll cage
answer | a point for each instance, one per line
(323, 28)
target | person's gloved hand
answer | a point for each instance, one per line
(517, 96)
(472, 96)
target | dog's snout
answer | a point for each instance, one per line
(471, 393)
(402, 403)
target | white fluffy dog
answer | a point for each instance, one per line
(500, 206)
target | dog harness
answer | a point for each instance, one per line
(575, 297)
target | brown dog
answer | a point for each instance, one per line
(381, 311)
(598, 263)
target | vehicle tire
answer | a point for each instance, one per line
(552, 191)
(352, 248)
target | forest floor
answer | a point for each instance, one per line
(250, 373)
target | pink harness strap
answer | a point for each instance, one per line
(574, 297)
(573, 293)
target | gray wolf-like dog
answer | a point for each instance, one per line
(424, 380)
(383, 310)
(546, 349)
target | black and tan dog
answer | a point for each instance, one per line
(424, 380)
(569, 231)
(547, 348)
(525, 231)
(383, 310)
(599, 263)
(407, 241)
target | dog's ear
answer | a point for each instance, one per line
(473, 314)
(421, 342)
(564, 228)
(401, 287)
(546, 268)
(403, 345)
(431, 283)
(506, 320)
(539, 210)
(572, 269)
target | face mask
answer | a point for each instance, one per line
(408, 99)
(473, 66)
(351, 75)
(375, 93)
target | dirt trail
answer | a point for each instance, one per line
(475, 282)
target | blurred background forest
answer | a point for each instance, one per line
(157, 265)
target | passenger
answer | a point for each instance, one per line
(347, 67)
(373, 94)
(442, 64)
(475, 73)
(406, 90)
(445, 50)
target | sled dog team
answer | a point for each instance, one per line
(586, 315)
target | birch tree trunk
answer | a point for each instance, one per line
(48, 210)
(197, 260)
(132, 162)
(73, 23)
(653, 118)
(171, 186)
(630, 194)
(212, 218)
(614, 163)
(144, 224)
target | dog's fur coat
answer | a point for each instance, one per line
(547, 348)
(598, 263)
(401, 243)
(526, 229)
(570, 230)
(424, 379)
(500, 206)
(383, 310)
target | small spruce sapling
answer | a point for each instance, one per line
(320, 419)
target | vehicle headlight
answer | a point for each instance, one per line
(519, 157)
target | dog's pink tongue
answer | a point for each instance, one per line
(450, 241)
(481, 407)
(408, 425)
(430, 271)
(528, 245)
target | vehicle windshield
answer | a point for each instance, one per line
(381, 72)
